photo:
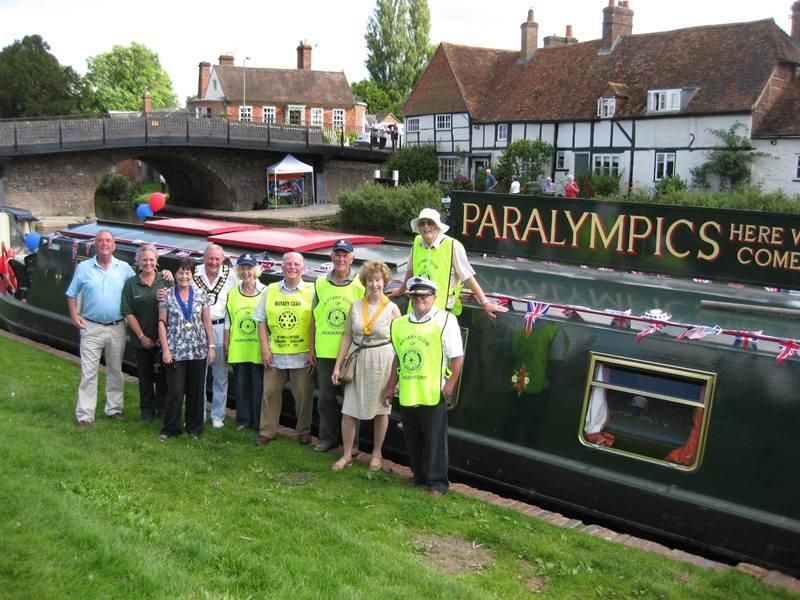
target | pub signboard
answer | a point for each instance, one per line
(722, 244)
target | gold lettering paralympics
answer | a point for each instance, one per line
(755, 245)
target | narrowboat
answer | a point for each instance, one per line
(646, 374)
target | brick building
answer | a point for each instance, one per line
(639, 106)
(300, 96)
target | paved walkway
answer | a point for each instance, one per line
(774, 578)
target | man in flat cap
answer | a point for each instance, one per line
(429, 355)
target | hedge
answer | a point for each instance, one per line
(378, 208)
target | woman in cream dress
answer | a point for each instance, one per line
(368, 327)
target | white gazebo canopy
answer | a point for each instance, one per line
(289, 165)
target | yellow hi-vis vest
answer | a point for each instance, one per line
(289, 319)
(436, 264)
(419, 351)
(244, 346)
(330, 314)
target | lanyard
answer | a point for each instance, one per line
(368, 323)
(186, 308)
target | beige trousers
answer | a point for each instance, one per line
(302, 390)
(95, 340)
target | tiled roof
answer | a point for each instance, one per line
(784, 116)
(286, 86)
(726, 66)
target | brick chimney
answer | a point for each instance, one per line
(204, 69)
(226, 60)
(304, 56)
(555, 40)
(796, 22)
(147, 103)
(617, 21)
(530, 38)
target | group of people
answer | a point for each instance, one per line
(204, 318)
(571, 187)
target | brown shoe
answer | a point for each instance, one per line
(304, 438)
(263, 440)
(433, 493)
(323, 447)
(116, 417)
(84, 424)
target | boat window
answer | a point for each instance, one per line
(646, 411)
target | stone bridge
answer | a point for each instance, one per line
(53, 166)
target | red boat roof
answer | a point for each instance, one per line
(287, 240)
(198, 226)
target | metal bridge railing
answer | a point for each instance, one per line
(50, 134)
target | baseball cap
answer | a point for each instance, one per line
(343, 245)
(247, 259)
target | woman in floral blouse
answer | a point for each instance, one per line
(187, 339)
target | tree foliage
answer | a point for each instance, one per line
(120, 78)
(34, 84)
(387, 209)
(377, 99)
(416, 164)
(732, 164)
(524, 158)
(398, 47)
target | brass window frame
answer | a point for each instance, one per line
(706, 378)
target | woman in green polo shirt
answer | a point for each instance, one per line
(242, 347)
(139, 306)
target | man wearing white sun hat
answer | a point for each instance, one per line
(443, 260)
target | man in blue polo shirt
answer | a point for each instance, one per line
(99, 282)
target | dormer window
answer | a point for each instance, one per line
(606, 107)
(663, 100)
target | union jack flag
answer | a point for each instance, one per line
(699, 332)
(571, 313)
(787, 350)
(535, 310)
(651, 329)
(621, 320)
(745, 341)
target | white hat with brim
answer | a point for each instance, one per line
(419, 286)
(432, 215)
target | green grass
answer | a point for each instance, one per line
(112, 513)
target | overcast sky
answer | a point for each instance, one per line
(186, 33)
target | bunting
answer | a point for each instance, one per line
(699, 331)
(651, 329)
(535, 310)
(745, 341)
(787, 350)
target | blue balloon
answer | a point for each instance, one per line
(143, 211)
(32, 240)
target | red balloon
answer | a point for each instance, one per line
(157, 201)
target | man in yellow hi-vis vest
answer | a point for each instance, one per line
(443, 260)
(284, 331)
(335, 294)
(429, 355)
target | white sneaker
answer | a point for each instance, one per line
(217, 424)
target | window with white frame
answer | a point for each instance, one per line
(202, 112)
(447, 169)
(606, 164)
(606, 107)
(444, 122)
(663, 100)
(316, 117)
(338, 118)
(502, 132)
(245, 113)
(268, 114)
(561, 160)
(297, 114)
(797, 169)
(412, 125)
(665, 165)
